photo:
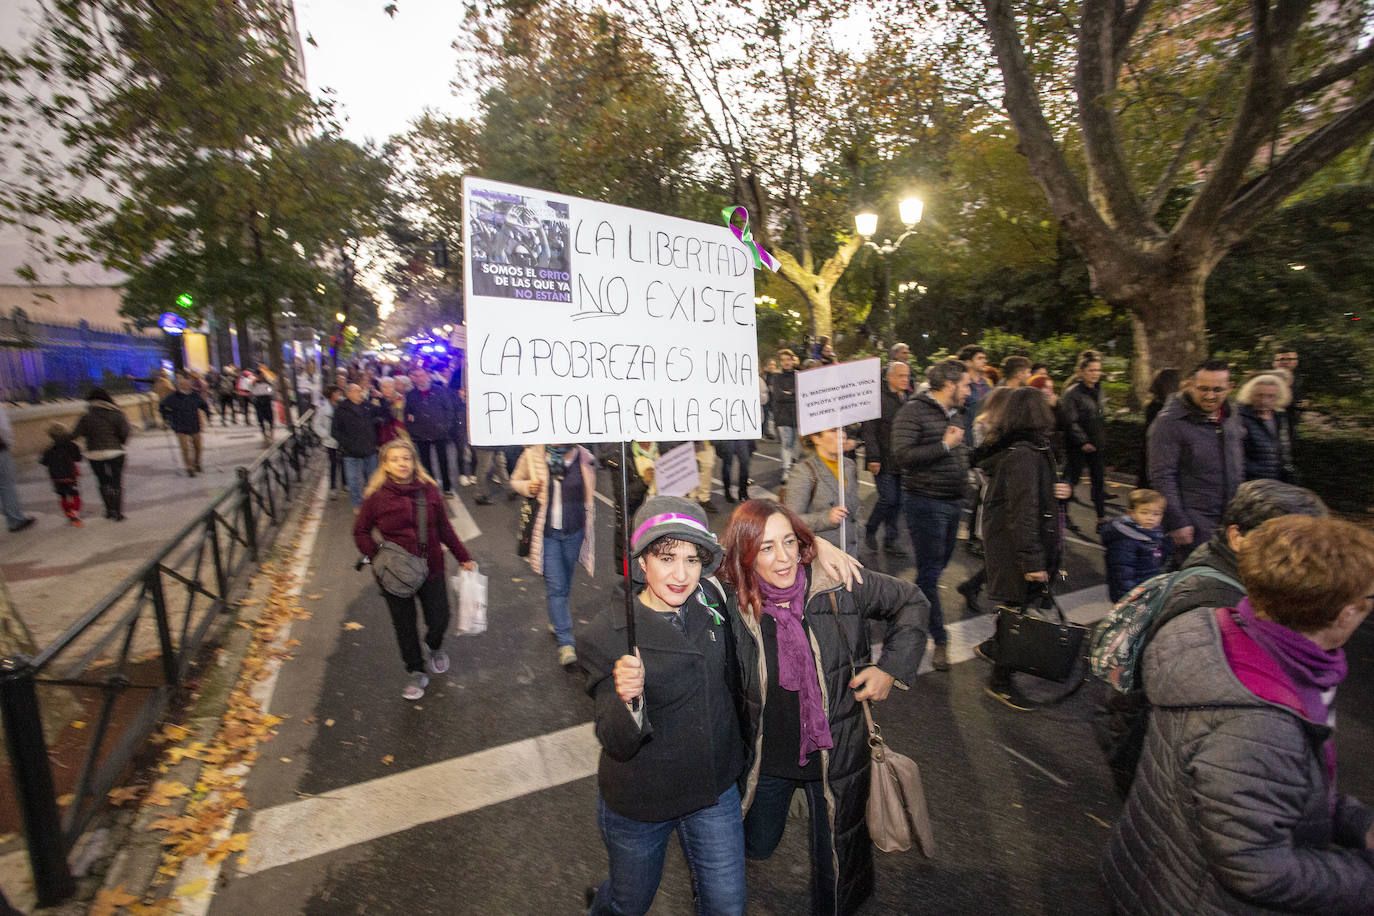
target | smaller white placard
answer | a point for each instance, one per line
(830, 396)
(458, 339)
(675, 473)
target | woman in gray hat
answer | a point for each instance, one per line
(681, 687)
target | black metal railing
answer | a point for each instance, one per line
(132, 652)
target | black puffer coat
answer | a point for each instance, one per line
(1229, 812)
(1084, 419)
(905, 611)
(1020, 517)
(918, 448)
(1268, 449)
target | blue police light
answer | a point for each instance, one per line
(171, 323)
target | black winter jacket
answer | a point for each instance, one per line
(1196, 463)
(104, 427)
(1230, 810)
(1084, 420)
(1268, 449)
(691, 746)
(429, 414)
(182, 411)
(918, 448)
(877, 433)
(782, 397)
(1134, 554)
(905, 611)
(355, 427)
(1020, 517)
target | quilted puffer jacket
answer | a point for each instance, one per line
(1230, 811)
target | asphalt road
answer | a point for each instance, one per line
(480, 798)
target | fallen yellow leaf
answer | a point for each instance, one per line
(65, 800)
(314, 597)
(106, 902)
(388, 760)
(192, 888)
(329, 722)
(284, 759)
(353, 625)
(78, 724)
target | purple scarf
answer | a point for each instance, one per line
(796, 664)
(1314, 671)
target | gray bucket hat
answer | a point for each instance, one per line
(674, 517)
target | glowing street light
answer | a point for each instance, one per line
(866, 224)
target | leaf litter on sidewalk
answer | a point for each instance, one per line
(203, 829)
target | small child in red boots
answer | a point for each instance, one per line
(62, 459)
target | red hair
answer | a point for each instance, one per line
(741, 540)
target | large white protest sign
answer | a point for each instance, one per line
(830, 396)
(588, 322)
(675, 472)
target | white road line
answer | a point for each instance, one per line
(262, 692)
(380, 807)
(462, 521)
(1031, 763)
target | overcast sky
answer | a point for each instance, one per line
(384, 70)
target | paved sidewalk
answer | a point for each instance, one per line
(55, 572)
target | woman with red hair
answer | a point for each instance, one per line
(799, 630)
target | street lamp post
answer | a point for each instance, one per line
(866, 224)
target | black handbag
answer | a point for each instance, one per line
(398, 571)
(1028, 641)
(527, 511)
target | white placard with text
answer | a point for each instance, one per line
(836, 395)
(589, 322)
(675, 472)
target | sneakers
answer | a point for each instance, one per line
(437, 662)
(448, 494)
(416, 688)
(482, 500)
(567, 656)
(1012, 698)
(75, 521)
(940, 660)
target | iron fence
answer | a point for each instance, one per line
(131, 654)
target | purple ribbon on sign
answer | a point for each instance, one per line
(761, 257)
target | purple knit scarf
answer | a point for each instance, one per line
(1315, 673)
(796, 664)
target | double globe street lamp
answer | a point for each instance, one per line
(866, 224)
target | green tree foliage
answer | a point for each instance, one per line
(193, 158)
(1244, 102)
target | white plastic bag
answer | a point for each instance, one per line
(471, 588)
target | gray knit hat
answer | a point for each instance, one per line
(674, 517)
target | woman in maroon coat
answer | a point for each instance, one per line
(390, 506)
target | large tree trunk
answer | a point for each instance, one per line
(1169, 323)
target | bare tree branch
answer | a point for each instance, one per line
(1095, 78)
(1166, 178)
(1332, 74)
(1126, 25)
(1294, 167)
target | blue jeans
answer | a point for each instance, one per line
(712, 840)
(767, 819)
(560, 559)
(888, 507)
(934, 526)
(787, 445)
(9, 490)
(356, 472)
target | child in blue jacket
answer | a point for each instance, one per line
(1135, 543)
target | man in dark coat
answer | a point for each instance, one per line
(355, 425)
(182, 409)
(928, 446)
(430, 421)
(887, 476)
(783, 396)
(1197, 457)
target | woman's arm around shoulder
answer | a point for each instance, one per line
(907, 612)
